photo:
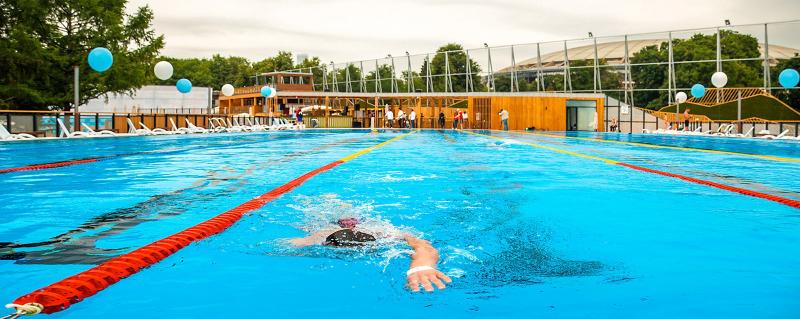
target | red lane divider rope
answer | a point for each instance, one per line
(774, 198)
(66, 292)
(777, 199)
(62, 294)
(37, 167)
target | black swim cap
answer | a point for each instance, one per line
(348, 238)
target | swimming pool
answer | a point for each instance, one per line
(527, 225)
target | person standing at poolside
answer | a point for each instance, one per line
(504, 119)
(441, 119)
(412, 119)
(348, 232)
(455, 119)
(686, 117)
(389, 117)
(465, 120)
(299, 117)
(401, 118)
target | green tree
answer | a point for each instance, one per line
(458, 69)
(281, 62)
(41, 41)
(198, 71)
(697, 48)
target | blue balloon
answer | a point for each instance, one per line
(266, 91)
(100, 59)
(789, 78)
(184, 86)
(698, 91)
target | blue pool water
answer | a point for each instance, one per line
(523, 231)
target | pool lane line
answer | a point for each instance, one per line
(774, 198)
(598, 139)
(36, 167)
(120, 220)
(66, 292)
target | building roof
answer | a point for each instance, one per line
(614, 53)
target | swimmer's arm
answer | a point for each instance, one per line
(316, 238)
(425, 255)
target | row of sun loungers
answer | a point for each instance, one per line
(217, 125)
(726, 130)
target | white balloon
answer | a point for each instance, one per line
(163, 70)
(273, 93)
(681, 97)
(227, 90)
(719, 79)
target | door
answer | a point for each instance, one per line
(481, 118)
(582, 115)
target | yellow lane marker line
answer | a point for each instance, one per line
(370, 149)
(766, 157)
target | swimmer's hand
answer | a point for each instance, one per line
(427, 278)
(422, 271)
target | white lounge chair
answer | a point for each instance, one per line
(66, 133)
(5, 135)
(234, 128)
(727, 131)
(177, 130)
(155, 131)
(92, 132)
(772, 137)
(194, 128)
(217, 125)
(748, 134)
(133, 130)
(257, 126)
(718, 130)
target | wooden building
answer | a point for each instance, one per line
(536, 110)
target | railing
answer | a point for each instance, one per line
(565, 66)
(637, 119)
(45, 123)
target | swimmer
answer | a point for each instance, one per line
(346, 233)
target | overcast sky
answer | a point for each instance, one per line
(348, 30)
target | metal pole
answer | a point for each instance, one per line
(490, 81)
(428, 80)
(469, 85)
(378, 85)
(767, 79)
(670, 70)
(719, 61)
(719, 52)
(539, 86)
(363, 84)
(324, 78)
(567, 76)
(348, 86)
(335, 83)
(739, 109)
(393, 82)
(410, 84)
(77, 101)
(447, 85)
(514, 81)
(597, 83)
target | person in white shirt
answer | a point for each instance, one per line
(401, 117)
(465, 120)
(390, 117)
(412, 119)
(504, 118)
